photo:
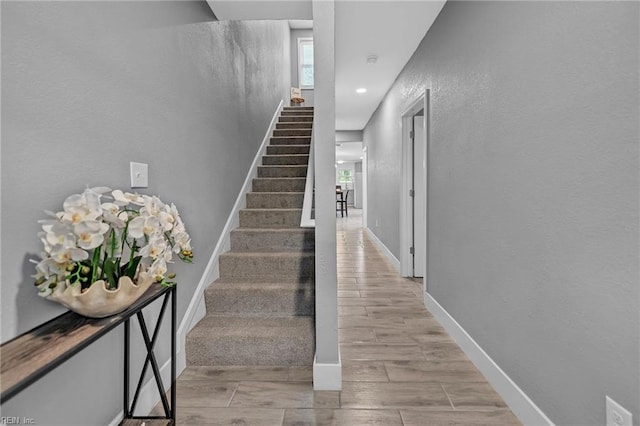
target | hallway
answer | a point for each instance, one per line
(399, 365)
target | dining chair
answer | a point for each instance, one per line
(341, 202)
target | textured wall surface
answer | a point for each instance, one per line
(533, 191)
(88, 87)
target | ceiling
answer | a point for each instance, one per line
(349, 151)
(389, 29)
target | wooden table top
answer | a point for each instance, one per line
(31, 355)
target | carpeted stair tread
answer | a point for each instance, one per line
(288, 149)
(272, 239)
(290, 140)
(270, 218)
(267, 299)
(282, 171)
(275, 200)
(285, 160)
(279, 184)
(230, 340)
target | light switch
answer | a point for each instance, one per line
(139, 175)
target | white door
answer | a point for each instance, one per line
(419, 205)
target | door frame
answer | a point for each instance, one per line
(406, 205)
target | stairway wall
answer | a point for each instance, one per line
(88, 87)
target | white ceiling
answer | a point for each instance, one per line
(392, 31)
(389, 29)
(349, 151)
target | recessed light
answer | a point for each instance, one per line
(340, 162)
(361, 90)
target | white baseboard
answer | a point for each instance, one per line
(327, 376)
(197, 309)
(394, 260)
(521, 405)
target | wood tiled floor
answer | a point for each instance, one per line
(400, 367)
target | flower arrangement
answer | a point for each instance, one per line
(90, 241)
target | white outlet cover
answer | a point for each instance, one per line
(617, 415)
(139, 175)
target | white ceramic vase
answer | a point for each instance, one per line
(98, 301)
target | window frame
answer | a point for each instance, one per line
(301, 42)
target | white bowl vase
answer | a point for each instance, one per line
(98, 301)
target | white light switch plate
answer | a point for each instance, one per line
(617, 415)
(139, 175)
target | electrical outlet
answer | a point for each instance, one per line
(377, 223)
(139, 175)
(616, 414)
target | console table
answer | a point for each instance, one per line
(31, 355)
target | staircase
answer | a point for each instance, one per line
(261, 309)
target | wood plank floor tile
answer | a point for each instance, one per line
(357, 335)
(433, 371)
(235, 373)
(443, 351)
(381, 352)
(283, 395)
(205, 393)
(229, 416)
(357, 321)
(301, 373)
(324, 417)
(364, 371)
(473, 396)
(367, 395)
(352, 310)
(471, 418)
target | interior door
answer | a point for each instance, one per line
(419, 205)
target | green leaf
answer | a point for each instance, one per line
(132, 267)
(110, 269)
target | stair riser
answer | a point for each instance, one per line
(233, 350)
(298, 108)
(292, 132)
(295, 119)
(252, 241)
(279, 185)
(296, 125)
(288, 149)
(257, 200)
(257, 301)
(287, 171)
(285, 160)
(265, 268)
(302, 140)
(297, 112)
(270, 218)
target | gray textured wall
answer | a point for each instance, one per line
(533, 191)
(88, 87)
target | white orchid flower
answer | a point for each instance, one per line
(90, 233)
(63, 255)
(60, 234)
(111, 214)
(166, 220)
(143, 225)
(155, 248)
(158, 269)
(126, 198)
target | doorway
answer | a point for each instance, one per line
(413, 217)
